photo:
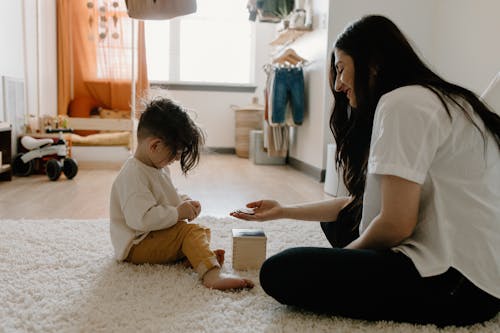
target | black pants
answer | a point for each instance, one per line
(372, 285)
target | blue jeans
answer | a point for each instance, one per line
(288, 85)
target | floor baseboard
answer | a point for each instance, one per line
(219, 150)
(312, 171)
(316, 173)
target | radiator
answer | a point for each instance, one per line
(13, 105)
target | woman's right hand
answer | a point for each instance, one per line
(264, 210)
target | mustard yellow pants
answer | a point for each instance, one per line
(183, 240)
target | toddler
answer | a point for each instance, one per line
(148, 218)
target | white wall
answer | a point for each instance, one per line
(309, 145)
(308, 139)
(213, 109)
(212, 112)
(41, 54)
(48, 57)
(456, 38)
(32, 55)
(467, 42)
(11, 39)
(40, 74)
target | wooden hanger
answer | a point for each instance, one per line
(289, 57)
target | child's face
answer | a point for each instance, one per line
(161, 155)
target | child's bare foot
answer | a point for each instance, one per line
(219, 253)
(217, 280)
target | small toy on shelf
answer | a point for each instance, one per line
(49, 154)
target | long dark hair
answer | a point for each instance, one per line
(376, 45)
(168, 121)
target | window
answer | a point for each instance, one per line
(213, 45)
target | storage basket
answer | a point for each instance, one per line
(247, 118)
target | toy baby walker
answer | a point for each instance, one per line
(51, 154)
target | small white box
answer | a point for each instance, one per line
(249, 248)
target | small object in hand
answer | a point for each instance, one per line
(248, 211)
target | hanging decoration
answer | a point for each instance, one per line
(90, 7)
(107, 15)
(103, 20)
(115, 34)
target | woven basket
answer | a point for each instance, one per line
(247, 118)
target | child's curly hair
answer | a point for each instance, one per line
(170, 122)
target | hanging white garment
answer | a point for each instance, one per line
(265, 129)
(159, 9)
(269, 95)
(270, 99)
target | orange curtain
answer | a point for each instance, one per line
(95, 54)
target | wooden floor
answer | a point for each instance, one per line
(221, 183)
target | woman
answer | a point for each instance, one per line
(418, 240)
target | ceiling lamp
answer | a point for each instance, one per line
(159, 9)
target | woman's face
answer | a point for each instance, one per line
(344, 81)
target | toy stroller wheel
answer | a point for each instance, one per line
(20, 168)
(54, 169)
(70, 168)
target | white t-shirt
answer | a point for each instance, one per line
(459, 215)
(143, 199)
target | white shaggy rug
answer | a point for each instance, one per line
(59, 276)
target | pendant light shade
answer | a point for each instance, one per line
(159, 9)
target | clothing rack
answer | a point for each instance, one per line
(269, 67)
(289, 56)
(287, 59)
(286, 108)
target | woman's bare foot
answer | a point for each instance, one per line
(219, 254)
(215, 279)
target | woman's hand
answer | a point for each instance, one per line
(264, 210)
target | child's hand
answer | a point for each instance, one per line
(197, 207)
(189, 210)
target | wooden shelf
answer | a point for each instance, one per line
(5, 168)
(6, 149)
(287, 36)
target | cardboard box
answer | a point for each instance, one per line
(249, 248)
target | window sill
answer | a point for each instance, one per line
(201, 86)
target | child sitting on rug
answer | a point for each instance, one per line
(149, 219)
